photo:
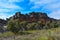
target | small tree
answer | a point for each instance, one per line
(13, 26)
(30, 26)
(40, 24)
(47, 25)
(23, 25)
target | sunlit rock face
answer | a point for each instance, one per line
(31, 17)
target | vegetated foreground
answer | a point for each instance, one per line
(50, 34)
(32, 26)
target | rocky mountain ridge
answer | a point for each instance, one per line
(32, 17)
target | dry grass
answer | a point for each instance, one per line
(50, 34)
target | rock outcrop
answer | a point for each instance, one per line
(2, 24)
(32, 17)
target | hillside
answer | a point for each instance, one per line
(31, 26)
(50, 34)
(31, 21)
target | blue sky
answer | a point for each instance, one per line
(10, 7)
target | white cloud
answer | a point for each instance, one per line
(16, 0)
(4, 10)
(53, 6)
(11, 6)
(38, 3)
(10, 1)
(7, 6)
(4, 15)
(55, 14)
(42, 1)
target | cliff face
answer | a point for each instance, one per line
(31, 17)
(2, 24)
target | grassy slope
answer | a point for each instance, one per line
(50, 34)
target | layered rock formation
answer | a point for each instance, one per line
(32, 17)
